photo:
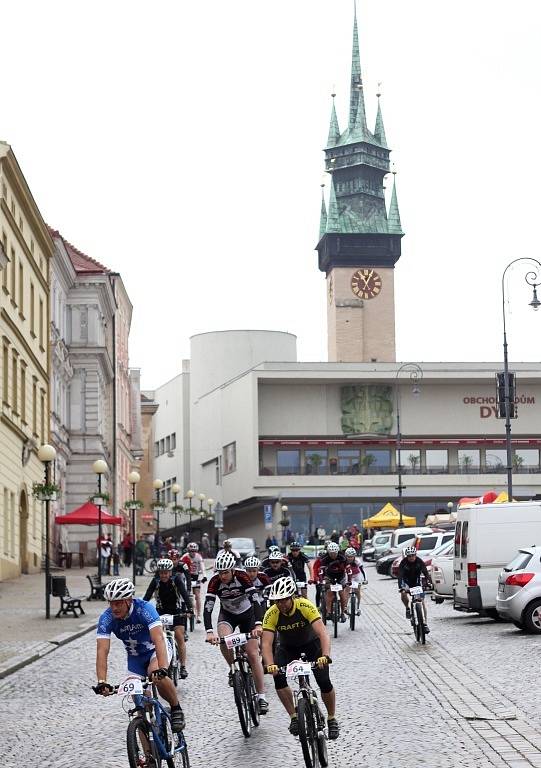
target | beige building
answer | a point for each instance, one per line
(24, 381)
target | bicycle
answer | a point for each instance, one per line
(169, 621)
(242, 681)
(417, 615)
(336, 608)
(310, 717)
(353, 603)
(150, 739)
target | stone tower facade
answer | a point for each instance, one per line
(359, 239)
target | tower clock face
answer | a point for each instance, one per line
(366, 283)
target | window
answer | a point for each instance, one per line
(436, 461)
(34, 406)
(31, 245)
(316, 461)
(376, 460)
(468, 460)
(457, 538)
(5, 271)
(13, 275)
(5, 373)
(14, 384)
(12, 207)
(464, 539)
(21, 289)
(496, 458)
(162, 443)
(6, 520)
(42, 411)
(168, 443)
(41, 339)
(32, 310)
(410, 460)
(21, 225)
(287, 462)
(156, 449)
(525, 459)
(229, 458)
(349, 460)
(173, 441)
(23, 391)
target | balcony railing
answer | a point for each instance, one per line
(325, 471)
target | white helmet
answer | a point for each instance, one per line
(119, 589)
(332, 546)
(282, 588)
(275, 555)
(164, 564)
(350, 552)
(225, 562)
(192, 546)
(410, 551)
(273, 548)
(252, 562)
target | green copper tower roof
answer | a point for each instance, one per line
(379, 130)
(334, 130)
(356, 77)
(323, 218)
(333, 221)
(394, 223)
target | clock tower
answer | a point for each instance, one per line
(359, 239)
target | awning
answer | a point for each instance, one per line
(88, 514)
(388, 517)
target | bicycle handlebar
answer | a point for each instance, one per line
(313, 665)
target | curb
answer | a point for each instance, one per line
(23, 660)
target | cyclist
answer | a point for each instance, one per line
(333, 566)
(180, 568)
(227, 546)
(238, 608)
(316, 568)
(138, 625)
(356, 574)
(298, 627)
(169, 590)
(410, 571)
(196, 566)
(278, 566)
(297, 561)
(266, 562)
(252, 566)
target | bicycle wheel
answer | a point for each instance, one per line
(352, 610)
(192, 622)
(253, 703)
(321, 737)
(176, 742)
(141, 751)
(241, 700)
(335, 615)
(307, 733)
(421, 637)
(174, 665)
(323, 607)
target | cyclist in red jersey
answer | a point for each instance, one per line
(196, 566)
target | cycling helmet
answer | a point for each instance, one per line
(282, 588)
(173, 553)
(225, 562)
(408, 551)
(227, 543)
(164, 564)
(275, 555)
(252, 562)
(350, 552)
(322, 553)
(332, 546)
(119, 589)
(295, 545)
(192, 546)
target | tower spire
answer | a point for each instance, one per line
(379, 130)
(334, 130)
(333, 221)
(323, 218)
(394, 224)
(356, 79)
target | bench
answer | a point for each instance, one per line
(69, 604)
(96, 587)
(67, 559)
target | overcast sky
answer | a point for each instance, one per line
(179, 143)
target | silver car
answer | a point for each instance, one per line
(519, 590)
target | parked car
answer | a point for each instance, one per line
(441, 572)
(379, 543)
(384, 563)
(487, 537)
(426, 544)
(367, 550)
(245, 547)
(401, 535)
(519, 590)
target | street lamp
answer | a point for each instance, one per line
(175, 490)
(530, 278)
(189, 495)
(201, 497)
(416, 374)
(47, 454)
(100, 468)
(133, 479)
(157, 485)
(284, 522)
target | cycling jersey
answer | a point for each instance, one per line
(169, 594)
(409, 573)
(195, 565)
(298, 565)
(134, 630)
(335, 569)
(294, 628)
(266, 562)
(184, 572)
(236, 597)
(284, 570)
(260, 582)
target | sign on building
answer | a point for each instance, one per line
(267, 516)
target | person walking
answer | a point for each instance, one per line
(105, 554)
(127, 549)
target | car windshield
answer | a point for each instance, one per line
(444, 549)
(381, 539)
(519, 562)
(242, 543)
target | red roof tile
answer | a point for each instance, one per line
(81, 262)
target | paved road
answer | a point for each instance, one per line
(467, 699)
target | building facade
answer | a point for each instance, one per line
(27, 251)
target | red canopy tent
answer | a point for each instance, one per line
(88, 514)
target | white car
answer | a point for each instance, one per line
(441, 572)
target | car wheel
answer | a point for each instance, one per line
(532, 617)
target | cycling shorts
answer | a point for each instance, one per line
(245, 621)
(284, 654)
(356, 578)
(139, 664)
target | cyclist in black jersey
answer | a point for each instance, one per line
(169, 590)
(297, 562)
(278, 567)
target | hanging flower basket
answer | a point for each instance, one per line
(45, 491)
(284, 522)
(135, 504)
(100, 500)
(178, 508)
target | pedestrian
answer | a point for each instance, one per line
(127, 549)
(268, 543)
(335, 536)
(205, 545)
(116, 559)
(105, 554)
(141, 550)
(274, 542)
(110, 556)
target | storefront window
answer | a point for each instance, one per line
(349, 460)
(495, 459)
(376, 461)
(525, 459)
(437, 461)
(468, 460)
(410, 460)
(316, 461)
(288, 462)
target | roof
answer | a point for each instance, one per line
(82, 263)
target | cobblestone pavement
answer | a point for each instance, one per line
(465, 699)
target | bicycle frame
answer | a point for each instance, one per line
(155, 714)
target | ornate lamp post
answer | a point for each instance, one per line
(100, 468)
(158, 508)
(284, 522)
(175, 490)
(133, 479)
(450, 506)
(47, 454)
(189, 495)
(416, 374)
(531, 278)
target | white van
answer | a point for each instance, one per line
(403, 534)
(487, 537)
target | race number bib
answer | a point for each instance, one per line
(336, 587)
(301, 584)
(130, 686)
(296, 668)
(234, 641)
(167, 619)
(416, 591)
